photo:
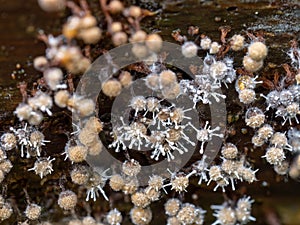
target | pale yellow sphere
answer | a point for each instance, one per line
(252, 65)
(119, 38)
(90, 35)
(115, 6)
(154, 42)
(52, 5)
(67, 200)
(112, 88)
(257, 51)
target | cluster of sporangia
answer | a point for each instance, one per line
(171, 121)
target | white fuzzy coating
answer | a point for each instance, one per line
(6, 166)
(257, 141)
(154, 42)
(247, 96)
(5, 211)
(254, 117)
(218, 70)
(189, 49)
(8, 141)
(119, 38)
(61, 98)
(245, 203)
(114, 217)
(91, 35)
(53, 77)
(96, 148)
(77, 153)
(172, 206)
(230, 167)
(265, 132)
(67, 200)
(252, 65)
(257, 51)
(112, 87)
(23, 111)
(41, 101)
(152, 194)
(140, 50)
(180, 183)
(152, 81)
(131, 168)
(229, 151)
(85, 107)
(282, 168)
(246, 174)
(125, 78)
(130, 186)
(215, 173)
(286, 97)
(40, 63)
(139, 36)
(205, 43)
(171, 92)
(140, 216)
(140, 199)
(43, 166)
(243, 216)
(35, 118)
(173, 221)
(116, 182)
(225, 215)
(279, 140)
(246, 82)
(80, 175)
(88, 220)
(167, 79)
(138, 103)
(187, 214)
(274, 155)
(214, 48)
(33, 211)
(237, 42)
(156, 182)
